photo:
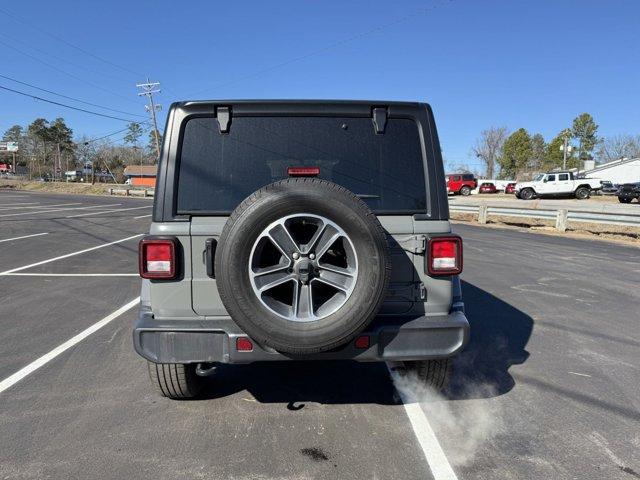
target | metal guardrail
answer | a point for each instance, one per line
(561, 215)
(132, 192)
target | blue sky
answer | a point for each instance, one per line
(479, 63)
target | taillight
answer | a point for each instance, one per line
(445, 256)
(303, 171)
(157, 258)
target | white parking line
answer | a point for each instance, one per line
(24, 236)
(70, 254)
(437, 460)
(43, 360)
(60, 209)
(108, 211)
(142, 216)
(41, 206)
(14, 204)
(438, 463)
(71, 274)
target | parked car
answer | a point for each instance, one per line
(628, 191)
(510, 188)
(253, 259)
(487, 187)
(461, 183)
(557, 184)
(609, 188)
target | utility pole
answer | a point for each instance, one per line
(59, 168)
(148, 89)
(565, 148)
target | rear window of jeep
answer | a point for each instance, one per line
(216, 171)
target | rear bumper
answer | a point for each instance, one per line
(214, 340)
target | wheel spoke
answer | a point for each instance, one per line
(311, 243)
(304, 301)
(336, 277)
(327, 237)
(281, 238)
(266, 281)
(257, 272)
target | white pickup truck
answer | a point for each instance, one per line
(557, 184)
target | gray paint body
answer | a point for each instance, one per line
(184, 320)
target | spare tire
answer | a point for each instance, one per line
(302, 265)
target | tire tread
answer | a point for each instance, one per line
(175, 380)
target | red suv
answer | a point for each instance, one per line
(461, 183)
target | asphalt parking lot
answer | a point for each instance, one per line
(549, 386)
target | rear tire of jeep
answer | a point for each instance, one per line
(434, 374)
(582, 193)
(175, 380)
(527, 194)
(464, 191)
(287, 321)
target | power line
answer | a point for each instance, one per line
(331, 46)
(54, 36)
(69, 98)
(92, 140)
(65, 60)
(68, 106)
(67, 73)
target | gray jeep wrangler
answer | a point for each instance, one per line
(299, 230)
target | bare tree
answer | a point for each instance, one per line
(618, 146)
(489, 146)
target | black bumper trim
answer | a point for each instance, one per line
(213, 340)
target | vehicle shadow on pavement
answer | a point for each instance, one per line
(499, 336)
(297, 383)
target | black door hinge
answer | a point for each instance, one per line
(413, 244)
(379, 119)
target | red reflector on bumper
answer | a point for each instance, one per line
(362, 342)
(243, 344)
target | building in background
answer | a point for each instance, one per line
(141, 175)
(626, 170)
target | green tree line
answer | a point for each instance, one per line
(521, 153)
(48, 149)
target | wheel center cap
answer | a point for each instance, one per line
(303, 269)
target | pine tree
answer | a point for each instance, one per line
(554, 154)
(517, 152)
(538, 149)
(584, 130)
(133, 135)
